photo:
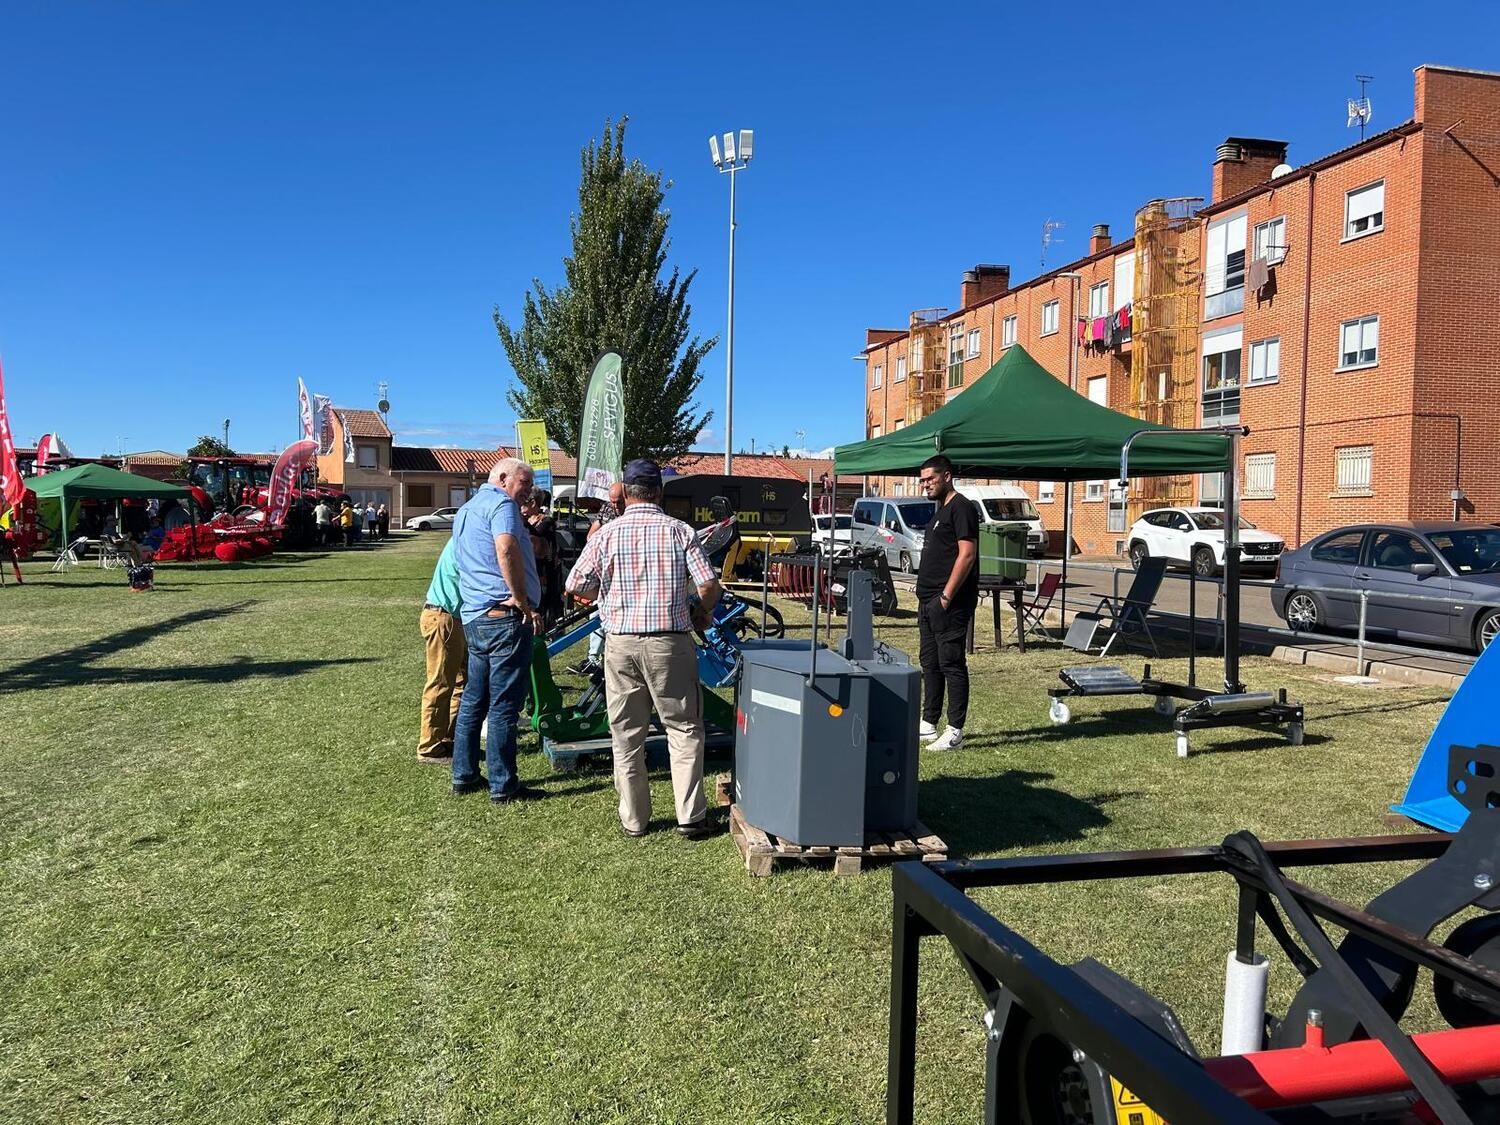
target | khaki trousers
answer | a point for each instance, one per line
(447, 655)
(660, 671)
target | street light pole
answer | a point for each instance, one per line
(1074, 293)
(731, 162)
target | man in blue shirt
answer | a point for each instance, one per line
(500, 592)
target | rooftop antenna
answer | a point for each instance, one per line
(801, 439)
(1359, 108)
(1048, 227)
(384, 405)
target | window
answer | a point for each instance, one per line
(1260, 476)
(868, 513)
(1007, 332)
(1099, 299)
(1210, 491)
(1265, 361)
(1342, 548)
(1395, 550)
(419, 495)
(1099, 390)
(457, 497)
(879, 376)
(875, 430)
(1359, 343)
(1364, 210)
(1093, 490)
(1352, 470)
(1049, 318)
(917, 355)
(900, 369)
(1270, 240)
(1046, 491)
(1224, 275)
(956, 356)
(973, 343)
(1124, 279)
(1221, 377)
(897, 424)
(369, 456)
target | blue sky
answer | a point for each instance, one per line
(198, 203)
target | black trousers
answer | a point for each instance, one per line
(944, 634)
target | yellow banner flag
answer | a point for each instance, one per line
(531, 439)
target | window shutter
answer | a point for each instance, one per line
(1366, 201)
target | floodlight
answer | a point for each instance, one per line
(747, 142)
(713, 147)
(729, 147)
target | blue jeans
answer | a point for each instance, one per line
(499, 660)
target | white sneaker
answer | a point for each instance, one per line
(926, 730)
(951, 739)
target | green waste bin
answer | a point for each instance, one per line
(1002, 550)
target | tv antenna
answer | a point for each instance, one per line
(1360, 110)
(801, 439)
(384, 405)
(1048, 239)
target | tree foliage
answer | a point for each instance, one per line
(615, 296)
(209, 446)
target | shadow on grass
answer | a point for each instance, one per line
(1009, 810)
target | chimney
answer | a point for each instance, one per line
(1099, 240)
(983, 282)
(1243, 162)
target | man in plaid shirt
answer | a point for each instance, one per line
(643, 566)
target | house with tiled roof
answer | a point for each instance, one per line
(432, 477)
(158, 464)
(368, 477)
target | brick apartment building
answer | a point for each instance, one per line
(1347, 311)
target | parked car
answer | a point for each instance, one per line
(839, 529)
(895, 524)
(1008, 503)
(1399, 567)
(1195, 537)
(432, 521)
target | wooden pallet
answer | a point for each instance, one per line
(762, 851)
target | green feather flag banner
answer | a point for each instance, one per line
(601, 443)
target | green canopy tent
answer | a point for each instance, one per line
(1020, 422)
(99, 482)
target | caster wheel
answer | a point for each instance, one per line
(1165, 705)
(1294, 734)
(1059, 712)
(1182, 746)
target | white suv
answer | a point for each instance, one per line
(1195, 537)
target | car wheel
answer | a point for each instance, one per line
(1303, 614)
(1487, 629)
(423, 525)
(1203, 563)
(905, 563)
(1138, 554)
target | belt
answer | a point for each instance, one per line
(500, 611)
(439, 608)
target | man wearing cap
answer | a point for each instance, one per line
(500, 592)
(643, 567)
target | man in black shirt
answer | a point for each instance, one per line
(947, 594)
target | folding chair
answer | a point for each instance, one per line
(1127, 615)
(115, 554)
(1033, 612)
(72, 554)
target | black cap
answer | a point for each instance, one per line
(643, 471)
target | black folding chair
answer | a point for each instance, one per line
(1128, 615)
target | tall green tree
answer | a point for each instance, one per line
(615, 296)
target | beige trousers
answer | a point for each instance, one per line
(447, 655)
(660, 671)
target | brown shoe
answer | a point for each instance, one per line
(443, 756)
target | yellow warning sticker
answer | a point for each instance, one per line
(1130, 1110)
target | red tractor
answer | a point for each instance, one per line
(240, 487)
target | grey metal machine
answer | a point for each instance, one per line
(826, 741)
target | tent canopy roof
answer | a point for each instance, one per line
(1019, 422)
(99, 482)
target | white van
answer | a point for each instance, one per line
(896, 524)
(1008, 503)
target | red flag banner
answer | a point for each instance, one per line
(11, 486)
(294, 458)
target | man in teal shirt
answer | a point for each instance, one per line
(443, 636)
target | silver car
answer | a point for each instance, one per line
(432, 521)
(1437, 582)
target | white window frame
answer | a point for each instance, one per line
(1354, 470)
(1093, 491)
(1099, 300)
(1361, 323)
(875, 430)
(1267, 354)
(1225, 238)
(1373, 218)
(1229, 341)
(1211, 490)
(458, 495)
(972, 351)
(918, 353)
(897, 424)
(878, 379)
(900, 369)
(359, 458)
(1124, 280)
(1050, 312)
(1008, 331)
(1260, 476)
(1269, 241)
(1098, 383)
(1046, 492)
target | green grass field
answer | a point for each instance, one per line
(228, 892)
